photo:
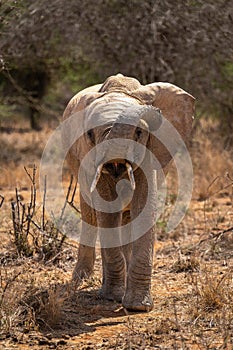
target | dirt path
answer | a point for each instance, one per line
(192, 282)
(184, 282)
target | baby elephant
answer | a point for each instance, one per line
(128, 135)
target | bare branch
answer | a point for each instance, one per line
(1, 200)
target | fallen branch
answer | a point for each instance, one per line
(215, 235)
(1, 200)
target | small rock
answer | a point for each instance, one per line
(49, 336)
(43, 341)
(62, 342)
(65, 336)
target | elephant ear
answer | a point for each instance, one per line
(177, 107)
(76, 108)
(82, 99)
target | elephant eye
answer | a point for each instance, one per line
(138, 133)
(91, 135)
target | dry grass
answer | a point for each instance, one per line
(33, 233)
(192, 283)
(213, 292)
(212, 309)
(47, 306)
(15, 315)
(211, 160)
(186, 263)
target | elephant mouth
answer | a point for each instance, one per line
(116, 168)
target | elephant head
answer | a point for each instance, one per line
(119, 121)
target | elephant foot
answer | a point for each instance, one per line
(134, 301)
(113, 293)
(81, 271)
(85, 265)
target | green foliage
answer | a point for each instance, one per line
(80, 43)
(227, 70)
(77, 75)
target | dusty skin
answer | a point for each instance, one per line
(118, 119)
(192, 275)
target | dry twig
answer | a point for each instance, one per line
(1, 200)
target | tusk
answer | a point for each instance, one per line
(96, 178)
(131, 176)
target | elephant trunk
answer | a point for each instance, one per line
(100, 170)
(114, 160)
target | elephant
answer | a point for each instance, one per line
(123, 114)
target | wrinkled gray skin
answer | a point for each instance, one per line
(131, 111)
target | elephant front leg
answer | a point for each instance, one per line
(138, 289)
(113, 286)
(85, 264)
(86, 251)
(113, 262)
